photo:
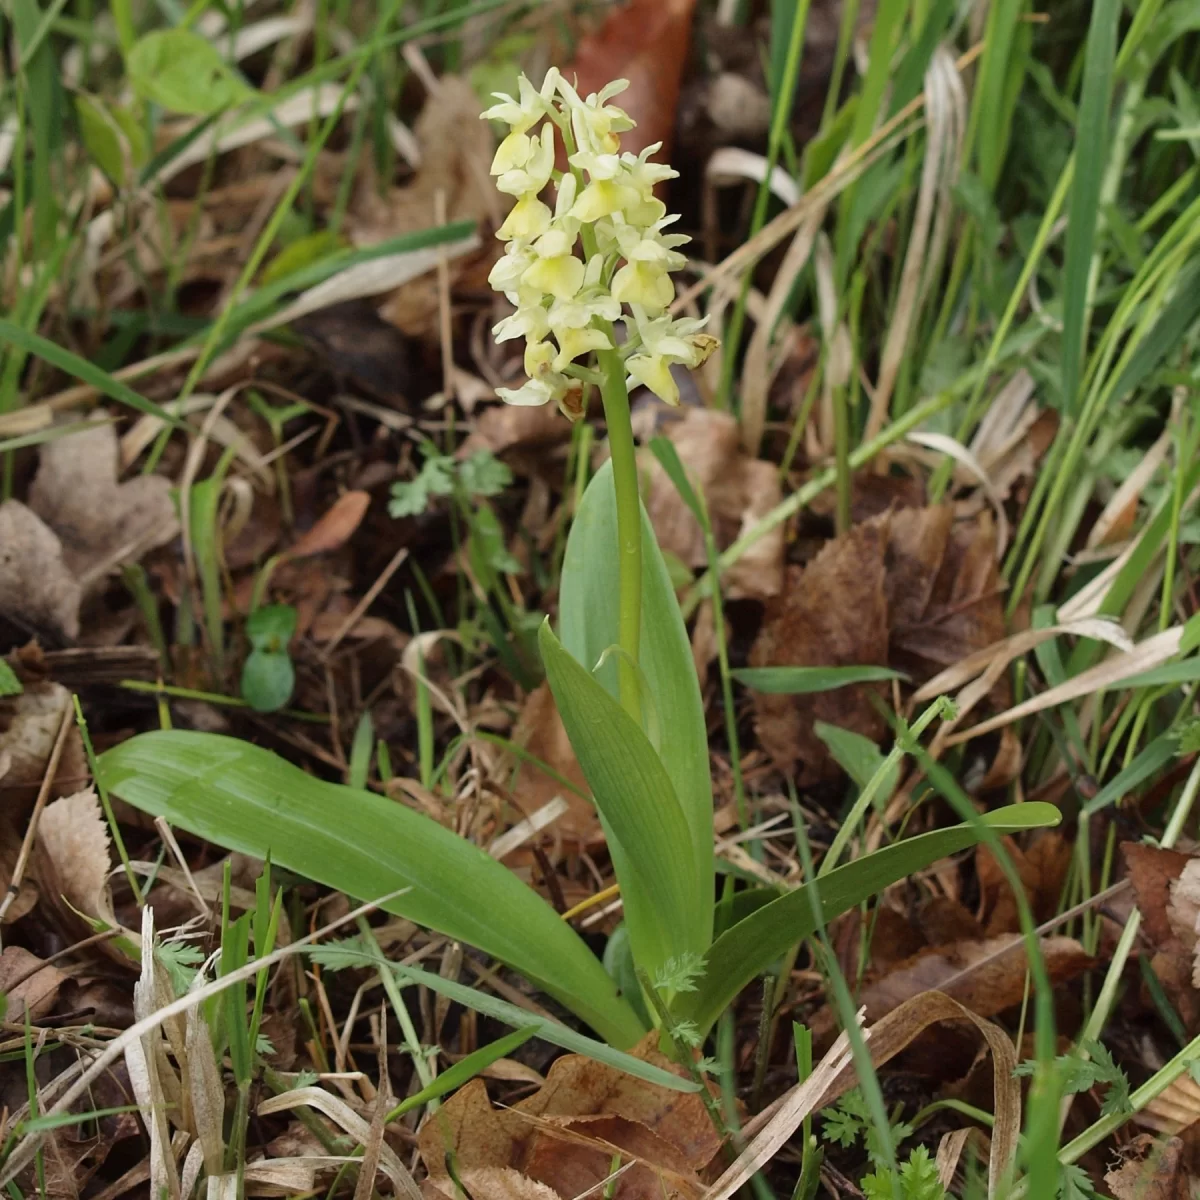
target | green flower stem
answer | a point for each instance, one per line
(629, 524)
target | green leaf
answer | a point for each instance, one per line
(84, 370)
(588, 608)
(550, 1031)
(483, 474)
(464, 1070)
(304, 252)
(268, 679)
(115, 141)
(436, 478)
(249, 800)
(667, 908)
(858, 756)
(668, 456)
(1091, 152)
(487, 549)
(618, 962)
(357, 952)
(180, 71)
(271, 627)
(800, 681)
(743, 952)
(10, 685)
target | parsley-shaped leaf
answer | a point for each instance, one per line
(1074, 1183)
(436, 478)
(1081, 1074)
(917, 1179)
(181, 959)
(483, 474)
(847, 1120)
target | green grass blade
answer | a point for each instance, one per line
(464, 1070)
(588, 607)
(81, 369)
(553, 1032)
(1084, 211)
(1149, 761)
(247, 799)
(667, 908)
(746, 950)
(800, 681)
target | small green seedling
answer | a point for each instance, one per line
(268, 676)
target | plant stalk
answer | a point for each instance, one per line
(629, 526)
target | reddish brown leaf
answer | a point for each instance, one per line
(1152, 1169)
(561, 1141)
(985, 976)
(540, 731)
(739, 491)
(27, 984)
(831, 613)
(335, 528)
(646, 42)
(1152, 871)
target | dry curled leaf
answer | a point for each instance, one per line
(561, 1141)
(29, 725)
(99, 521)
(334, 528)
(28, 987)
(739, 491)
(73, 845)
(985, 976)
(38, 592)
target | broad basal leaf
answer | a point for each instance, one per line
(668, 909)
(588, 611)
(748, 948)
(247, 799)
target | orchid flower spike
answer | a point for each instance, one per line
(592, 254)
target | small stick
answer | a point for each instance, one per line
(366, 602)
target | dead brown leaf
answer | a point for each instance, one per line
(831, 613)
(334, 528)
(355, 343)
(1042, 868)
(646, 42)
(739, 491)
(1152, 872)
(540, 731)
(562, 1139)
(29, 724)
(1152, 1170)
(503, 428)
(943, 587)
(99, 521)
(26, 986)
(38, 593)
(73, 858)
(456, 152)
(985, 976)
